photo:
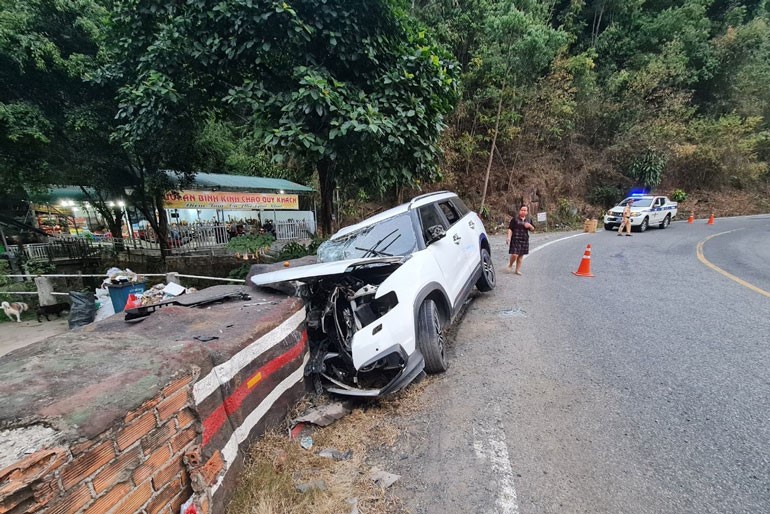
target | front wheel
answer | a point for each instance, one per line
(666, 221)
(430, 339)
(644, 225)
(607, 226)
(486, 281)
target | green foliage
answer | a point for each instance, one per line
(256, 245)
(293, 250)
(647, 169)
(722, 151)
(356, 94)
(38, 267)
(679, 195)
(240, 272)
(605, 196)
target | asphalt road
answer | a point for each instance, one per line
(645, 389)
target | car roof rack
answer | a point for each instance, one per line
(426, 195)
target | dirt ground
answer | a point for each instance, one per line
(17, 335)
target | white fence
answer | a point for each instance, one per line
(291, 230)
(181, 240)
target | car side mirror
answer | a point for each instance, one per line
(435, 233)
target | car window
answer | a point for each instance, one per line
(638, 202)
(393, 236)
(429, 217)
(450, 212)
(461, 207)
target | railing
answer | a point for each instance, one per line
(181, 240)
(291, 230)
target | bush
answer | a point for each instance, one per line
(679, 195)
(296, 250)
(240, 272)
(606, 196)
(256, 245)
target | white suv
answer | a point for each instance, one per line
(384, 290)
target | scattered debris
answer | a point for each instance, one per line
(119, 276)
(354, 503)
(334, 454)
(383, 478)
(299, 430)
(306, 442)
(325, 415)
(173, 289)
(319, 485)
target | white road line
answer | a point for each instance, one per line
(555, 241)
(489, 445)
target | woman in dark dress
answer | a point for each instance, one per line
(518, 238)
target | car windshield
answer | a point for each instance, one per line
(638, 202)
(393, 236)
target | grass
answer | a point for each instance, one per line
(276, 465)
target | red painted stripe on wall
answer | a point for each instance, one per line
(213, 423)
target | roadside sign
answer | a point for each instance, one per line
(541, 217)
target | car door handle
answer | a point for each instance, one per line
(471, 224)
(456, 239)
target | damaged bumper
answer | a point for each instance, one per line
(411, 369)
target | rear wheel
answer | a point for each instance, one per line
(430, 339)
(666, 221)
(486, 281)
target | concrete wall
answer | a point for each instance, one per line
(141, 418)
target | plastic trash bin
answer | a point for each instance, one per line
(119, 293)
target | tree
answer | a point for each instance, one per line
(54, 120)
(520, 46)
(353, 94)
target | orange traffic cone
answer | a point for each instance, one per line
(711, 219)
(584, 270)
(691, 219)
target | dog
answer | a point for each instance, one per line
(57, 308)
(14, 309)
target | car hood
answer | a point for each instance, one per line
(322, 269)
(634, 211)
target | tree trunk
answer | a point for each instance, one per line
(162, 229)
(327, 183)
(492, 149)
(115, 224)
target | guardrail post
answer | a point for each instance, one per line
(44, 290)
(172, 277)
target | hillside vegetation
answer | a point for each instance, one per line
(562, 104)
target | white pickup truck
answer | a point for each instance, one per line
(645, 211)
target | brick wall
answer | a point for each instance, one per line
(146, 418)
(136, 466)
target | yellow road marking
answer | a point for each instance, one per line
(699, 253)
(254, 380)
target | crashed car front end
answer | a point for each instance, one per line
(352, 334)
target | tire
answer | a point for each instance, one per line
(486, 281)
(666, 221)
(645, 224)
(430, 340)
(607, 226)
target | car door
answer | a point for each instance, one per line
(467, 238)
(445, 251)
(657, 210)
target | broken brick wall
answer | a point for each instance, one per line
(136, 466)
(156, 420)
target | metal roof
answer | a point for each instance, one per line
(203, 181)
(228, 182)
